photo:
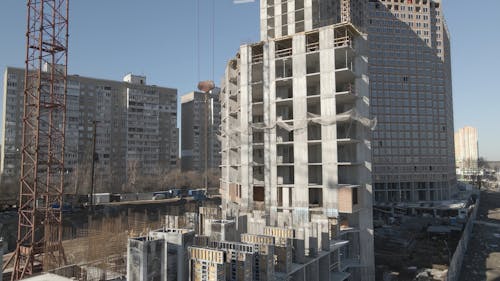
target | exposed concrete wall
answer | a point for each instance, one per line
(328, 133)
(146, 259)
(175, 250)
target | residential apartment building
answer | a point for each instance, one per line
(200, 124)
(135, 126)
(411, 97)
(296, 135)
(410, 87)
(466, 149)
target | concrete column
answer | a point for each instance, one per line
(271, 173)
(328, 133)
(263, 20)
(300, 190)
(245, 119)
(277, 18)
(308, 15)
(291, 17)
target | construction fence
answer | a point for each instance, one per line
(458, 256)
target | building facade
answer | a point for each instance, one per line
(200, 112)
(411, 97)
(296, 135)
(135, 126)
(466, 150)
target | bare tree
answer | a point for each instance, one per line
(482, 163)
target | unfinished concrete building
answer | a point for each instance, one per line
(200, 124)
(296, 139)
(176, 252)
(146, 259)
(206, 264)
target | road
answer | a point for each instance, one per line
(482, 259)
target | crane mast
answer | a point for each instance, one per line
(39, 240)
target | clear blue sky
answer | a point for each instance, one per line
(158, 38)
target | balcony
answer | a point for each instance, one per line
(312, 42)
(283, 48)
(344, 37)
(345, 73)
(233, 95)
(257, 54)
(345, 93)
(344, 66)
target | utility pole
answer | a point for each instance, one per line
(93, 165)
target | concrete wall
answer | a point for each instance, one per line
(146, 259)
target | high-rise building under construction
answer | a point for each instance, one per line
(296, 136)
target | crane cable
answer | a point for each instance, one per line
(213, 40)
(198, 13)
(198, 40)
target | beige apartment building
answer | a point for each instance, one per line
(199, 147)
(136, 131)
(466, 150)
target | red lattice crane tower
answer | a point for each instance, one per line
(39, 243)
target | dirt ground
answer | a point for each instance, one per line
(482, 259)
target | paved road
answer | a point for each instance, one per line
(482, 259)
